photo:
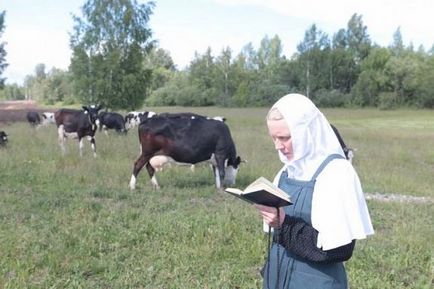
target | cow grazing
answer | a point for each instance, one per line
(47, 118)
(33, 118)
(3, 139)
(158, 162)
(349, 152)
(112, 120)
(133, 118)
(187, 141)
(77, 124)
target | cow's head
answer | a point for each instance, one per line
(48, 117)
(231, 169)
(144, 115)
(92, 111)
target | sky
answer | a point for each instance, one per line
(37, 31)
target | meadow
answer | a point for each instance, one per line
(67, 222)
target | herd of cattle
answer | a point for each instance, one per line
(180, 138)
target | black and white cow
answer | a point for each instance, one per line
(77, 124)
(192, 115)
(33, 118)
(112, 120)
(133, 118)
(349, 152)
(158, 162)
(187, 141)
(3, 139)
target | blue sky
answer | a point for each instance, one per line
(37, 30)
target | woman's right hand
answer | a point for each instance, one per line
(270, 215)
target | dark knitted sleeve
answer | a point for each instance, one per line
(300, 238)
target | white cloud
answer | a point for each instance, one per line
(40, 36)
(382, 17)
(26, 47)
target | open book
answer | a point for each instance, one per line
(262, 192)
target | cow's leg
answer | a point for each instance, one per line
(80, 146)
(61, 138)
(219, 172)
(138, 165)
(216, 176)
(215, 170)
(92, 144)
(151, 172)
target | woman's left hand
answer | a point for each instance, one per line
(269, 214)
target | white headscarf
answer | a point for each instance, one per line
(339, 211)
(312, 136)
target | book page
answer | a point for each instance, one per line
(263, 184)
(259, 180)
(234, 191)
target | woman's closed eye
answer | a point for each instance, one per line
(282, 138)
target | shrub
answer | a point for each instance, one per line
(332, 98)
(387, 100)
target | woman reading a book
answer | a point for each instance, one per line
(317, 233)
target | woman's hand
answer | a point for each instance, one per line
(269, 214)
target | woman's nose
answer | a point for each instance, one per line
(278, 144)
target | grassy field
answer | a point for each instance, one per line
(67, 222)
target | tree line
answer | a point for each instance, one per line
(116, 62)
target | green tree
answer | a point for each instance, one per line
(425, 83)
(249, 56)
(12, 92)
(397, 47)
(401, 72)
(312, 60)
(245, 71)
(373, 79)
(3, 53)
(36, 85)
(341, 63)
(242, 68)
(59, 87)
(162, 66)
(270, 58)
(40, 72)
(359, 42)
(270, 82)
(358, 46)
(224, 77)
(109, 46)
(202, 73)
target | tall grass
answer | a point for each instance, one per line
(67, 222)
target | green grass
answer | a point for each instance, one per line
(67, 222)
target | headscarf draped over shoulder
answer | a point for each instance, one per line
(339, 210)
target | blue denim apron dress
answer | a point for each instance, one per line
(294, 272)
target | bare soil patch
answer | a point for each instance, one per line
(16, 110)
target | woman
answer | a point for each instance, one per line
(317, 233)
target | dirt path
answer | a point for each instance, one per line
(398, 198)
(17, 104)
(16, 110)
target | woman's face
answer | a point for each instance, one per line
(281, 136)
